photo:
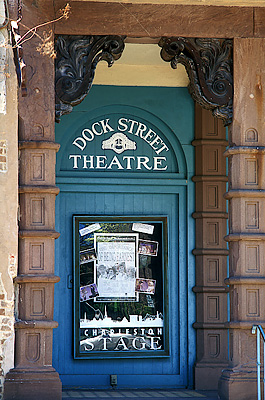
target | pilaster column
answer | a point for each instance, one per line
(211, 252)
(246, 237)
(33, 376)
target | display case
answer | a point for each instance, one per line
(120, 286)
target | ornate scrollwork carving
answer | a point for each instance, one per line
(76, 61)
(209, 65)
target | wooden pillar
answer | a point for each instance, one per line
(33, 376)
(246, 237)
(211, 250)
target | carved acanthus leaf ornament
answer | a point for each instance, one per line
(209, 66)
(76, 61)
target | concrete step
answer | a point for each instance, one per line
(139, 394)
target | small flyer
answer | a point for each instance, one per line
(89, 229)
(147, 247)
(143, 228)
(88, 292)
(145, 285)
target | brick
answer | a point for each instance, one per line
(5, 328)
(9, 313)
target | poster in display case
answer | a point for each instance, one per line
(120, 286)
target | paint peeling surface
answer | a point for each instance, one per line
(12, 266)
(2, 12)
(3, 156)
(2, 73)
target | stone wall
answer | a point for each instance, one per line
(8, 199)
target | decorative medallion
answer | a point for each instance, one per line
(118, 143)
(209, 66)
(75, 64)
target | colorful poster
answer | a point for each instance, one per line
(88, 292)
(145, 286)
(148, 247)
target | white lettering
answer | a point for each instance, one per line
(141, 128)
(150, 134)
(90, 344)
(127, 162)
(90, 162)
(75, 142)
(132, 125)
(127, 331)
(105, 339)
(94, 129)
(157, 140)
(154, 342)
(162, 148)
(101, 162)
(94, 332)
(89, 139)
(124, 126)
(158, 163)
(150, 331)
(143, 161)
(115, 161)
(122, 343)
(128, 159)
(135, 331)
(159, 331)
(142, 343)
(75, 157)
(106, 127)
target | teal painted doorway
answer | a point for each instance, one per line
(126, 157)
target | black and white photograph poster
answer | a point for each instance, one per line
(117, 266)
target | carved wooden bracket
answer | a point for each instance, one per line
(75, 65)
(209, 66)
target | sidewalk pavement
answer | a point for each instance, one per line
(139, 394)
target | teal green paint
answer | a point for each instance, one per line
(170, 113)
(173, 124)
(170, 105)
(83, 141)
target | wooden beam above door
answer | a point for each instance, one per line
(156, 20)
(229, 3)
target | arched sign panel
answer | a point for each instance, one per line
(125, 142)
(124, 176)
(120, 144)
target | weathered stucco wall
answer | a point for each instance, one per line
(8, 201)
